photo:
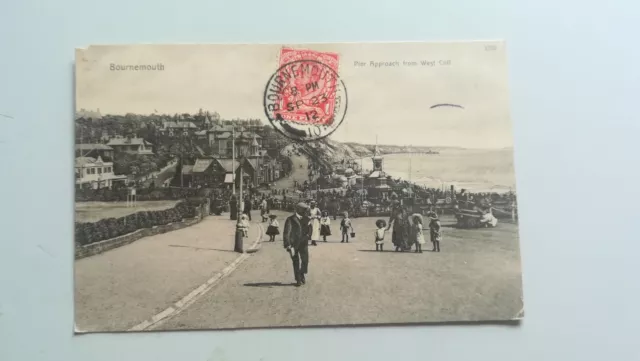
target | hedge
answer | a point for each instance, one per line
(91, 232)
(142, 194)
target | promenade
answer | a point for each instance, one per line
(123, 287)
(475, 277)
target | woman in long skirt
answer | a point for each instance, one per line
(400, 234)
(417, 226)
(314, 215)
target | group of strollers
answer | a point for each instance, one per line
(407, 230)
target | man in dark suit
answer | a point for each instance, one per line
(247, 207)
(296, 235)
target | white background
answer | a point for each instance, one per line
(574, 94)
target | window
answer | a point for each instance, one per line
(93, 171)
(88, 170)
(100, 170)
(222, 147)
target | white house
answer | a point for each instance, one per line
(95, 173)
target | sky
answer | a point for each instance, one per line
(392, 103)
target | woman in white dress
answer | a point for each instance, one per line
(315, 215)
(417, 229)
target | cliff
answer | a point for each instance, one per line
(328, 152)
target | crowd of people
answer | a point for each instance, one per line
(311, 221)
(354, 201)
(408, 229)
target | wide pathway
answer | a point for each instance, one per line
(120, 288)
(475, 277)
(298, 173)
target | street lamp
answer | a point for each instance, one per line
(238, 236)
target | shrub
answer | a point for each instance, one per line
(142, 194)
(91, 232)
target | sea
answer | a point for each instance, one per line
(476, 170)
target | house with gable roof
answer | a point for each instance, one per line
(130, 145)
(173, 129)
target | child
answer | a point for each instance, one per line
(379, 234)
(436, 233)
(273, 229)
(266, 214)
(417, 228)
(325, 225)
(244, 223)
(345, 225)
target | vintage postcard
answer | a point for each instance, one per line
(280, 185)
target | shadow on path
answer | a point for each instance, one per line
(269, 284)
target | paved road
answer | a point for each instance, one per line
(475, 277)
(122, 287)
(162, 176)
(298, 173)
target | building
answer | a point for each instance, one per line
(95, 173)
(89, 114)
(202, 134)
(208, 121)
(376, 181)
(249, 169)
(94, 151)
(173, 129)
(208, 172)
(219, 137)
(187, 175)
(220, 140)
(230, 167)
(130, 145)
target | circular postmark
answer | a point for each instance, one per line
(305, 100)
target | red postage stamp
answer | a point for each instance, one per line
(305, 99)
(309, 89)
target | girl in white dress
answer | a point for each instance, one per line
(244, 225)
(315, 215)
(379, 234)
(325, 226)
(274, 228)
(417, 224)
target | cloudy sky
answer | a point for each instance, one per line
(392, 103)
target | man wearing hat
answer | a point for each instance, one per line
(295, 237)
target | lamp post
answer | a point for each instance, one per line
(233, 159)
(238, 238)
(181, 160)
(238, 235)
